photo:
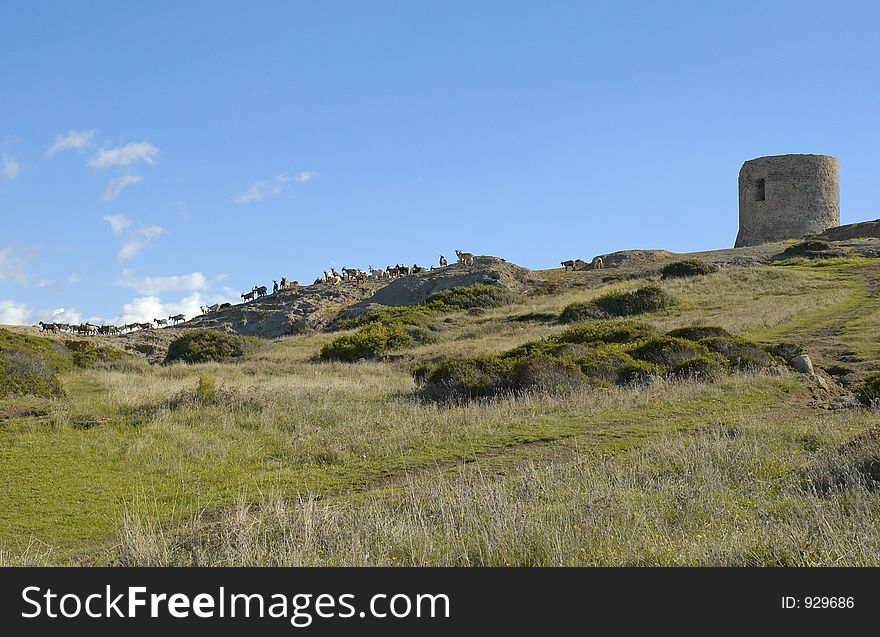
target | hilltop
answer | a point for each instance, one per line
(486, 414)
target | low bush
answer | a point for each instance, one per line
(710, 367)
(47, 349)
(668, 351)
(605, 363)
(373, 340)
(608, 331)
(408, 315)
(869, 392)
(809, 247)
(202, 346)
(699, 332)
(27, 373)
(479, 295)
(546, 373)
(464, 378)
(740, 353)
(101, 357)
(615, 304)
(687, 268)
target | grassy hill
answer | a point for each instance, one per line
(277, 454)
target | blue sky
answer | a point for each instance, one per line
(159, 156)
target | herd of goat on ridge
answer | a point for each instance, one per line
(330, 278)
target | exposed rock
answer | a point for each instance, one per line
(802, 364)
(847, 401)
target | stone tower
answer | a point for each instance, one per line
(787, 197)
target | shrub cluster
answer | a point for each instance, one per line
(479, 295)
(203, 346)
(383, 329)
(807, 248)
(686, 268)
(27, 373)
(869, 393)
(617, 304)
(373, 340)
(599, 353)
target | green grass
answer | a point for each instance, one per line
(135, 458)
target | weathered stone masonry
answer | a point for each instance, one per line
(787, 197)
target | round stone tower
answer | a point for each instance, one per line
(787, 197)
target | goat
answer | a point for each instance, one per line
(249, 296)
(145, 326)
(203, 309)
(160, 322)
(62, 327)
(465, 257)
(223, 306)
(261, 290)
(598, 263)
(567, 264)
(48, 327)
(177, 318)
(214, 308)
(443, 261)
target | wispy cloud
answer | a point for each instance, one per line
(73, 140)
(153, 285)
(260, 190)
(127, 155)
(118, 223)
(118, 184)
(135, 238)
(306, 176)
(12, 266)
(10, 167)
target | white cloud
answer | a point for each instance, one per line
(10, 167)
(118, 223)
(12, 313)
(73, 278)
(62, 315)
(262, 189)
(147, 308)
(12, 266)
(153, 285)
(74, 140)
(306, 176)
(135, 239)
(118, 184)
(125, 155)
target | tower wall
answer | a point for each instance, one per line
(787, 197)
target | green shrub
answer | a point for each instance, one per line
(869, 392)
(52, 351)
(605, 363)
(809, 247)
(479, 295)
(710, 367)
(699, 332)
(206, 392)
(100, 357)
(202, 346)
(27, 373)
(638, 373)
(645, 299)
(668, 351)
(463, 378)
(686, 268)
(739, 352)
(408, 315)
(373, 340)
(608, 331)
(546, 373)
